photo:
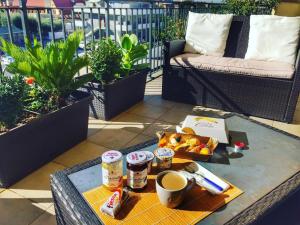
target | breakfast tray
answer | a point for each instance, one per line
(145, 208)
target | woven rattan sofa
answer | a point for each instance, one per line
(243, 91)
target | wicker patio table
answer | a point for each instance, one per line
(268, 172)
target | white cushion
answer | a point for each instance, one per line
(207, 33)
(273, 38)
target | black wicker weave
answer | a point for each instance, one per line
(250, 95)
(113, 99)
(71, 208)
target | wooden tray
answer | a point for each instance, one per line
(145, 208)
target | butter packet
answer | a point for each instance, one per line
(114, 203)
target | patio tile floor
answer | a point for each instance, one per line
(29, 201)
(82, 152)
(16, 209)
(130, 122)
(112, 138)
(36, 186)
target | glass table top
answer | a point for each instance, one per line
(270, 158)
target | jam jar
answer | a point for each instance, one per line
(112, 170)
(164, 158)
(137, 168)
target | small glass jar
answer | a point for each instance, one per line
(112, 170)
(137, 170)
(164, 157)
(149, 159)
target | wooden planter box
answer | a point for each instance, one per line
(112, 99)
(28, 147)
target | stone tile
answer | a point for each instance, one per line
(297, 116)
(51, 210)
(159, 126)
(154, 87)
(2, 189)
(95, 125)
(148, 110)
(298, 105)
(157, 100)
(112, 138)
(36, 186)
(138, 140)
(16, 210)
(47, 218)
(174, 116)
(290, 128)
(262, 120)
(131, 122)
(80, 153)
(147, 97)
(183, 107)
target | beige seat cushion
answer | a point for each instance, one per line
(235, 65)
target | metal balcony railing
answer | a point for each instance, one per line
(110, 19)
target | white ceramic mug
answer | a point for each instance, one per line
(172, 198)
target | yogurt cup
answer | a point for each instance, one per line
(149, 159)
(164, 157)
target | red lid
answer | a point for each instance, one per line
(239, 144)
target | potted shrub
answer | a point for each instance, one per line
(119, 81)
(41, 113)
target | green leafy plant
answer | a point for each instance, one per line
(39, 100)
(110, 61)
(105, 61)
(53, 67)
(46, 25)
(12, 90)
(175, 29)
(132, 52)
(32, 23)
(249, 7)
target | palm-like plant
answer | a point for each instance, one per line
(53, 67)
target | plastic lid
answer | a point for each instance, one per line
(164, 153)
(149, 155)
(137, 157)
(111, 156)
(239, 144)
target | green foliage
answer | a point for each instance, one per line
(132, 52)
(32, 23)
(39, 100)
(3, 18)
(105, 60)
(175, 29)
(12, 91)
(53, 67)
(110, 61)
(46, 26)
(249, 7)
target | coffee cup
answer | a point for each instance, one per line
(171, 187)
